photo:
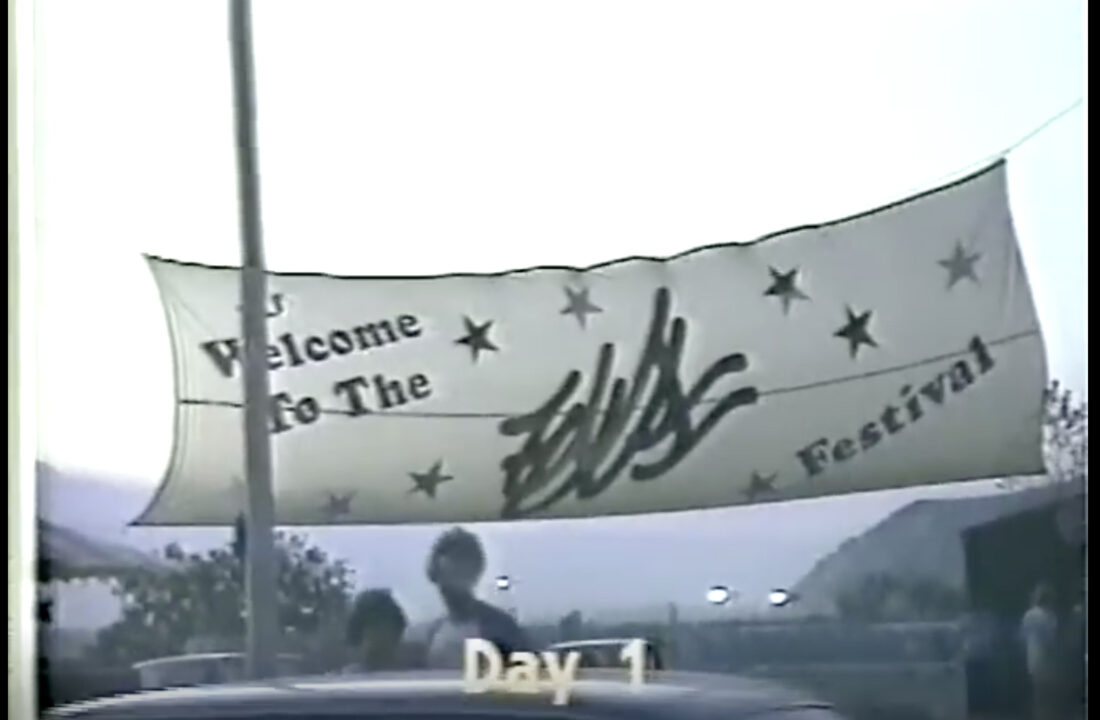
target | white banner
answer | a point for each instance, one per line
(896, 348)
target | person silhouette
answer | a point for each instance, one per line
(375, 630)
(1039, 631)
(455, 565)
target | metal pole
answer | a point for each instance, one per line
(260, 586)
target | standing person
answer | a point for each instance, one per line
(455, 566)
(376, 628)
(1039, 632)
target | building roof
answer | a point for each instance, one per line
(65, 554)
(922, 540)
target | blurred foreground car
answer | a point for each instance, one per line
(435, 696)
(204, 669)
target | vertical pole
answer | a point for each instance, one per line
(260, 587)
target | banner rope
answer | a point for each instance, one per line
(497, 415)
(1002, 154)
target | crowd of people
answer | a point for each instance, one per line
(378, 627)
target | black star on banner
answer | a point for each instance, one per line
(784, 288)
(429, 481)
(760, 485)
(476, 338)
(579, 305)
(855, 331)
(338, 505)
(960, 265)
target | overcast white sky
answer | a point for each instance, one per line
(422, 137)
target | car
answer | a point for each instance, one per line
(423, 695)
(204, 669)
(607, 652)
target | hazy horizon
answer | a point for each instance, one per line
(752, 549)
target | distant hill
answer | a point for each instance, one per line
(104, 508)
